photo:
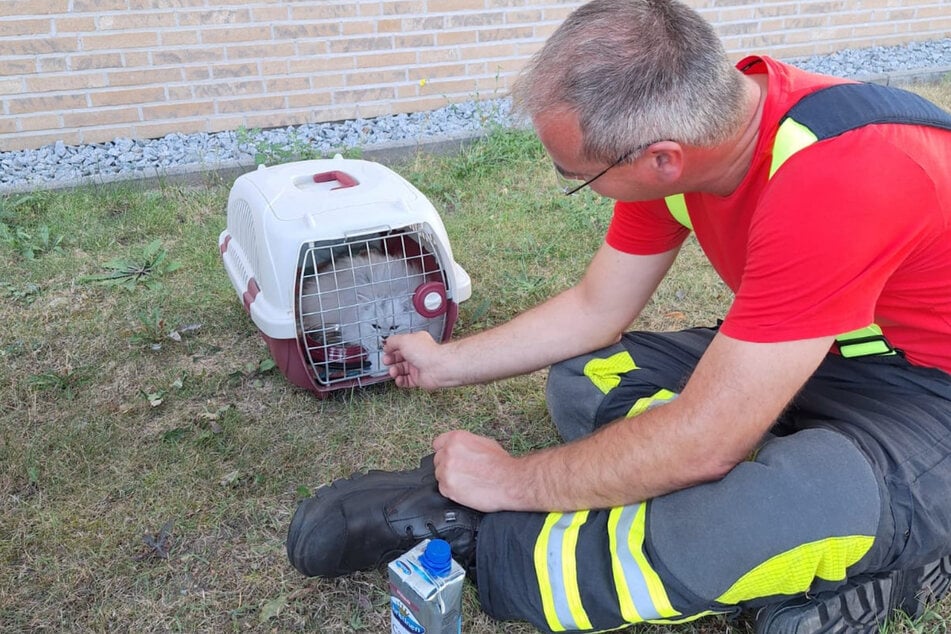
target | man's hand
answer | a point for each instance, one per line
(475, 471)
(414, 360)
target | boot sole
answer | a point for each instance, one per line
(864, 607)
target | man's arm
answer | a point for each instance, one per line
(587, 316)
(733, 397)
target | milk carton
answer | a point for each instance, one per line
(426, 590)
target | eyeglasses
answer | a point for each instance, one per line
(568, 189)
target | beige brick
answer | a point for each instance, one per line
(901, 15)
(231, 88)
(179, 93)
(370, 10)
(323, 11)
(306, 30)
(451, 6)
(522, 17)
(13, 28)
(361, 27)
(320, 64)
(737, 28)
(250, 104)
(148, 5)
(236, 34)
(93, 6)
(734, 15)
(105, 133)
(404, 7)
(805, 22)
(393, 25)
(46, 103)
(418, 40)
(363, 94)
(430, 73)
(136, 21)
(512, 33)
(934, 12)
(110, 116)
(71, 81)
(872, 30)
(272, 67)
(436, 55)
(375, 77)
(261, 51)
(396, 58)
(270, 14)
(178, 110)
(197, 55)
(74, 24)
(12, 87)
(455, 38)
(357, 44)
(309, 100)
(93, 61)
(145, 76)
(320, 82)
(313, 48)
(471, 20)
(18, 66)
(284, 85)
(197, 73)
(245, 69)
(38, 46)
(447, 87)
(487, 50)
(179, 37)
(214, 17)
(40, 122)
(33, 7)
(133, 96)
(8, 125)
(136, 59)
(112, 41)
(424, 23)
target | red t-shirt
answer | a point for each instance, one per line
(849, 231)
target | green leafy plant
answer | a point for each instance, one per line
(129, 273)
(32, 243)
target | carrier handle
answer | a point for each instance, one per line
(345, 180)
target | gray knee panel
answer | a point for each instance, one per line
(803, 492)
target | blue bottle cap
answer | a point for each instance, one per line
(437, 558)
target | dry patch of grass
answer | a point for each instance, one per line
(146, 483)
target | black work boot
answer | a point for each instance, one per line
(860, 606)
(367, 520)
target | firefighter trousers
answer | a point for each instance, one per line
(853, 478)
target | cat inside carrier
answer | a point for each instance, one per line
(331, 257)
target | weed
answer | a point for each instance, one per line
(129, 273)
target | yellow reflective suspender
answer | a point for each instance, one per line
(864, 342)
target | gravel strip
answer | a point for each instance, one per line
(59, 164)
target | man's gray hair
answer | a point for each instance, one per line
(635, 72)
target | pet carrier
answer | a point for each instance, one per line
(329, 258)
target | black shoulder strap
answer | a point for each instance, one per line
(831, 111)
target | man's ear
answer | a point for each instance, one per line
(666, 160)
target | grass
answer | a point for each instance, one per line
(150, 454)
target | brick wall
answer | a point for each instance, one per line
(87, 71)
